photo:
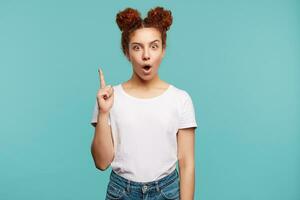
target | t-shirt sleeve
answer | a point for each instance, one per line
(187, 113)
(95, 115)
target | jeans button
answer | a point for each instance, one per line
(144, 188)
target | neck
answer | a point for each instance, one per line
(137, 82)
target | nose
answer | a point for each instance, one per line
(146, 58)
(146, 55)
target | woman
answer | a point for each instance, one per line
(144, 125)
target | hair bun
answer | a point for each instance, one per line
(160, 17)
(128, 18)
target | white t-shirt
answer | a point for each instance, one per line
(144, 131)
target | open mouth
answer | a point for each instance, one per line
(147, 69)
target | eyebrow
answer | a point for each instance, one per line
(142, 44)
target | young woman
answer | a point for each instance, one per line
(145, 125)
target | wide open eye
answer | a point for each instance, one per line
(154, 46)
(136, 47)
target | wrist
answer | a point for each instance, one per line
(103, 114)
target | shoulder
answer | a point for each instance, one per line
(181, 93)
(116, 87)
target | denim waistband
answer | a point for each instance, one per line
(160, 183)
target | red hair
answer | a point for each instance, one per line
(130, 20)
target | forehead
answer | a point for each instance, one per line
(145, 35)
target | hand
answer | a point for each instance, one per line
(105, 96)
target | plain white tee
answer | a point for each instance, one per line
(144, 131)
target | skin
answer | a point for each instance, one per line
(142, 50)
(145, 47)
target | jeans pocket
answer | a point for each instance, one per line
(171, 191)
(114, 191)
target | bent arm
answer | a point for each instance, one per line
(102, 147)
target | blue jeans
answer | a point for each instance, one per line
(164, 188)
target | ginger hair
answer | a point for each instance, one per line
(129, 20)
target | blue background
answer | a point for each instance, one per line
(239, 61)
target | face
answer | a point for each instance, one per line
(146, 52)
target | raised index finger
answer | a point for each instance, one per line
(102, 81)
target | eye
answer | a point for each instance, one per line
(136, 47)
(155, 46)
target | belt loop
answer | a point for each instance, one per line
(128, 186)
(157, 188)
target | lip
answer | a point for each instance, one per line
(147, 72)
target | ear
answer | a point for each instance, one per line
(127, 56)
(163, 52)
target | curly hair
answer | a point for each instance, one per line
(130, 20)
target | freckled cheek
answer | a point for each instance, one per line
(157, 62)
(135, 60)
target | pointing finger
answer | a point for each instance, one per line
(102, 81)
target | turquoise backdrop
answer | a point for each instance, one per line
(239, 60)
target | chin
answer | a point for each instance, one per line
(146, 78)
